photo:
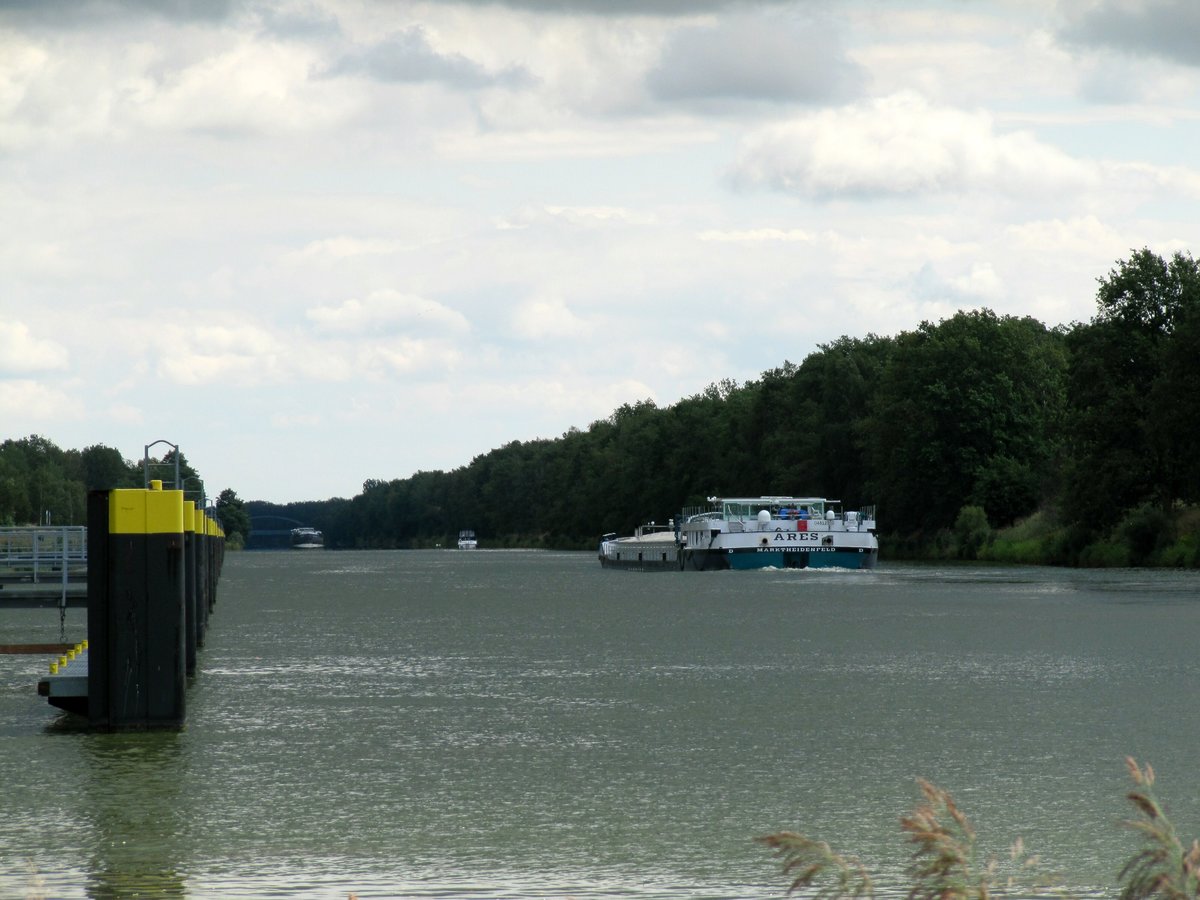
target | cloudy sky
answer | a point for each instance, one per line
(322, 241)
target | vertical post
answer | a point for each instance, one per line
(138, 678)
(189, 585)
(65, 557)
(202, 552)
(98, 613)
(216, 553)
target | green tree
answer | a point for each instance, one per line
(39, 483)
(968, 409)
(817, 443)
(1175, 405)
(104, 469)
(1130, 386)
(231, 513)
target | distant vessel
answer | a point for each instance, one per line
(652, 547)
(466, 540)
(306, 538)
(752, 533)
(778, 532)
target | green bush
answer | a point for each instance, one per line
(971, 531)
(1182, 554)
(1104, 555)
(1145, 529)
(1030, 541)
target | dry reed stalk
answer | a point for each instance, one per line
(1162, 868)
(942, 866)
(814, 862)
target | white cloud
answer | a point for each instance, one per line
(574, 216)
(162, 80)
(902, 146)
(24, 400)
(1067, 237)
(978, 285)
(757, 235)
(344, 247)
(248, 88)
(583, 399)
(981, 282)
(544, 318)
(388, 311)
(22, 353)
(406, 356)
(230, 355)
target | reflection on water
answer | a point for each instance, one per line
(527, 724)
(131, 799)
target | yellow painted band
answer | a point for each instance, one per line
(132, 511)
(189, 515)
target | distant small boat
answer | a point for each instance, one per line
(306, 538)
(466, 540)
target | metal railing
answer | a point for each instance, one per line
(44, 555)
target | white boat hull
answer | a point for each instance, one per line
(779, 533)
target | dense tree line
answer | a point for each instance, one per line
(1093, 427)
(41, 484)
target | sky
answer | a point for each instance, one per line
(318, 242)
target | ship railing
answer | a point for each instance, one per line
(653, 528)
(866, 518)
(862, 519)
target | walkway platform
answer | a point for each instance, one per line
(67, 684)
(28, 595)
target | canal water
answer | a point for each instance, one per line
(525, 724)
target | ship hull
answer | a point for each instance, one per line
(769, 558)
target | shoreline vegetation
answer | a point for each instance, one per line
(946, 864)
(1144, 537)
